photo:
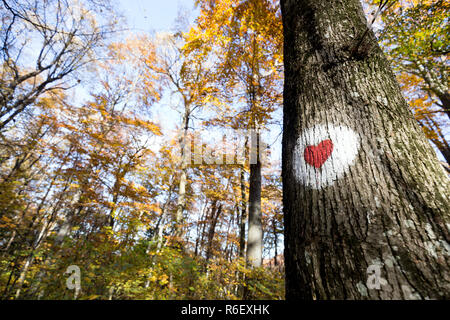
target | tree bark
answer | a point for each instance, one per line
(254, 242)
(445, 101)
(215, 213)
(201, 228)
(243, 215)
(181, 203)
(375, 223)
(275, 241)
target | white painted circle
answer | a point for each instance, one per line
(345, 147)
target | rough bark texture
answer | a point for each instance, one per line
(390, 208)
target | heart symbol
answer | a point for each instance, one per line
(316, 156)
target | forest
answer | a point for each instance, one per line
(254, 150)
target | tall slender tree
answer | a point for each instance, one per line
(244, 37)
(366, 203)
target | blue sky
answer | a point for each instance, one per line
(153, 15)
(147, 16)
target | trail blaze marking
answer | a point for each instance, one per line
(323, 153)
(316, 156)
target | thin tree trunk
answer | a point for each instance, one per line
(212, 230)
(275, 241)
(254, 242)
(445, 101)
(366, 202)
(39, 239)
(202, 233)
(199, 233)
(243, 217)
(181, 204)
(64, 231)
(229, 243)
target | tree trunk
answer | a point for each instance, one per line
(243, 218)
(366, 202)
(275, 241)
(181, 204)
(254, 241)
(201, 228)
(445, 100)
(215, 213)
(38, 241)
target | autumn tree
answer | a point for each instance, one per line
(187, 78)
(414, 34)
(45, 46)
(80, 166)
(244, 38)
(428, 115)
(365, 200)
(89, 176)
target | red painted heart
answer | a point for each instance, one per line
(316, 156)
